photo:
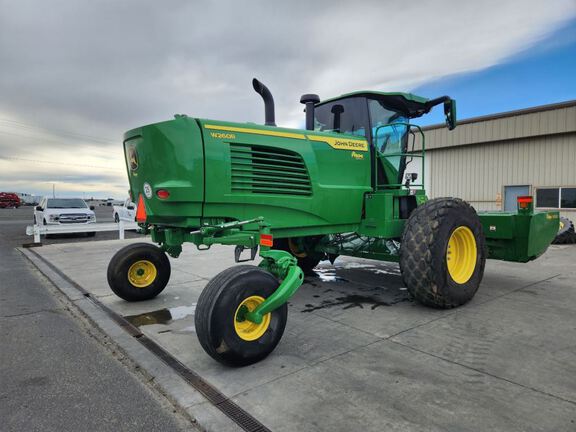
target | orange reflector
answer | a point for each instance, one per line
(162, 193)
(266, 240)
(141, 210)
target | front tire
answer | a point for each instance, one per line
(219, 325)
(443, 253)
(139, 271)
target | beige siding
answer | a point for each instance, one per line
(478, 173)
(507, 127)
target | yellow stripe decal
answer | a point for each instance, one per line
(342, 143)
(256, 131)
(337, 143)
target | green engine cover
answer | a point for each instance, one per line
(303, 182)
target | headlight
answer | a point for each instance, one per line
(54, 218)
(91, 217)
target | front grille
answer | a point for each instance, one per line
(267, 170)
(73, 218)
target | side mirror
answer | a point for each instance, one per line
(92, 207)
(450, 113)
(39, 208)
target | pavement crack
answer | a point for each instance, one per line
(56, 310)
(491, 299)
(483, 372)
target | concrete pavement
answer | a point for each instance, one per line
(358, 354)
(55, 373)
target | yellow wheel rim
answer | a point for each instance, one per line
(142, 273)
(561, 224)
(461, 254)
(294, 250)
(247, 330)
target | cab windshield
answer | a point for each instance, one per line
(389, 132)
(65, 203)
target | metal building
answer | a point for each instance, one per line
(490, 160)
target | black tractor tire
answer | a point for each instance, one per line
(216, 316)
(305, 262)
(424, 253)
(566, 233)
(138, 272)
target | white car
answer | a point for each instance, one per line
(125, 212)
(60, 211)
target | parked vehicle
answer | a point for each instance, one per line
(59, 211)
(125, 212)
(338, 187)
(9, 200)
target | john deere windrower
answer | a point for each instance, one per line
(343, 186)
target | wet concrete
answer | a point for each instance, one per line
(161, 316)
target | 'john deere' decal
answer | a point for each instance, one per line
(342, 143)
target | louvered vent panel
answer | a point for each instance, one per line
(266, 170)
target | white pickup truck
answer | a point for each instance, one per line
(64, 211)
(125, 212)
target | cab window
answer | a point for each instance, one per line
(347, 116)
(389, 131)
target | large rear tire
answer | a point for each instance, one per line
(222, 332)
(139, 271)
(443, 253)
(566, 233)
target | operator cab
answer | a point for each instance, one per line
(382, 118)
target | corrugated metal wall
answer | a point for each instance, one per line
(522, 124)
(480, 157)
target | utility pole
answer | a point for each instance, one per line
(53, 190)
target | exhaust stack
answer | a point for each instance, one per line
(309, 100)
(263, 91)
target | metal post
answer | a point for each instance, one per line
(121, 229)
(36, 233)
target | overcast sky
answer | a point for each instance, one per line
(74, 75)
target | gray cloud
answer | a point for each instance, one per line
(99, 68)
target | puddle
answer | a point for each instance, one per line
(161, 316)
(355, 265)
(388, 272)
(329, 276)
(354, 301)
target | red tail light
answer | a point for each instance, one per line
(266, 240)
(524, 201)
(162, 193)
(141, 210)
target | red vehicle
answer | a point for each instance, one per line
(9, 200)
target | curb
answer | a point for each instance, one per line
(209, 413)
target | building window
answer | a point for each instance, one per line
(556, 198)
(568, 198)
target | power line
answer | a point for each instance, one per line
(58, 163)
